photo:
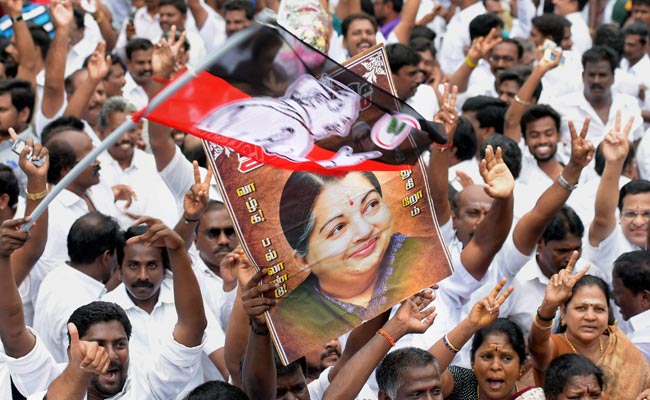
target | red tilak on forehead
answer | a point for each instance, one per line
(350, 200)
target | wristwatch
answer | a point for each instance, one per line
(16, 19)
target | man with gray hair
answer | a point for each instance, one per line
(130, 171)
(407, 371)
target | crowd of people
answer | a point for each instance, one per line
(132, 284)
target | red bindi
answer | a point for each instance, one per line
(350, 200)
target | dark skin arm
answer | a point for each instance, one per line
(54, 88)
(191, 322)
(98, 67)
(480, 48)
(24, 42)
(194, 203)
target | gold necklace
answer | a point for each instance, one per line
(600, 344)
(478, 391)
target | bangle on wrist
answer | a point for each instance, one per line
(563, 182)
(449, 346)
(544, 318)
(39, 195)
(190, 220)
(443, 147)
(385, 334)
(160, 80)
(256, 329)
(536, 322)
(99, 17)
(522, 102)
(470, 63)
(16, 19)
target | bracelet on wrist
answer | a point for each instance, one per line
(385, 334)
(190, 220)
(470, 63)
(256, 329)
(443, 147)
(160, 80)
(536, 321)
(541, 318)
(39, 195)
(16, 19)
(522, 102)
(563, 182)
(449, 346)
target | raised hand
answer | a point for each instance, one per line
(11, 238)
(229, 268)
(546, 65)
(31, 152)
(165, 54)
(254, 301)
(560, 286)
(412, 316)
(157, 234)
(98, 64)
(13, 7)
(447, 115)
(582, 150)
(464, 179)
(61, 11)
(196, 199)
(89, 356)
(486, 311)
(615, 145)
(124, 192)
(483, 45)
(499, 182)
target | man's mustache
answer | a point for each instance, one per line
(142, 284)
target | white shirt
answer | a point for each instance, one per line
(134, 92)
(579, 33)
(424, 101)
(576, 108)
(643, 156)
(318, 387)
(154, 198)
(163, 377)
(456, 39)
(146, 26)
(608, 251)
(640, 334)
(220, 303)
(563, 79)
(63, 291)
(213, 31)
(533, 177)
(150, 331)
(78, 54)
(583, 199)
(634, 77)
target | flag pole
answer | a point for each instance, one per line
(232, 42)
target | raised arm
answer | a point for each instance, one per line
(24, 42)
(480, 48)
(407, 21)
(54, 89)
(347, 7)
(492, 231)
(86, 360)
(191, 322)
(483, 313)
(16, 339)
(531, 226)
(615, 147)
(98, 67)
(199, 13)
(104, 18)
(194, 204)
(411, 317)
(558, 291)
(511, 127)
(439, 156)
(24, 258)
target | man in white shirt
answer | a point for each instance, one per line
(164, 376)
(632, 294)
(572, 11)
(92, 242)
(456, 40)
(636, 63)
(174, 13)
(80, 46)
(238, 15)
(138, 78)
(123, 164)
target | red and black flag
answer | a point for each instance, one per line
(277, 100)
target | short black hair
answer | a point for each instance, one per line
(478, 102)
(345, 25)
(397, 4)
(389, 370)
(421, 44)
(538, 112)
(482, 24)
(61, 154)
(137, 231)
(465, 140)
(78, 18)
(550, 25)
(562, 368)
(520, 48)
(137, 44)
(563, 223)
(234, 5)
(612, 36)
(509, 75)
(422, 31)
(9, 184)
(69, 81)
(600, 53)
(400, 55)
(22, 94)
(635, 186)
(86, 316)
(509, 149)
(91, 235)
(641, 2)
(599, 159)
(501, 326)
(178, 4)
(633, 268)
(492, 117)
(61, 124)
(40, 37)
(216, 390)
(640, 29)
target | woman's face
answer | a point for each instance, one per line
(496, 367)
(583, 387)
(586, 314)
(352, 230)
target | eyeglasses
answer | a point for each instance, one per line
(216, 232)
(632, 214)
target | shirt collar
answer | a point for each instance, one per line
(641, 321)
(68, 199)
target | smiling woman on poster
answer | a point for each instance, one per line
(341, 231)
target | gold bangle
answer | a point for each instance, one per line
(38, 196)
(536, 322)
(470, 63)
(522, 102)
(99, 17)
(448, 345)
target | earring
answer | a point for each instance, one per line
(562, 322)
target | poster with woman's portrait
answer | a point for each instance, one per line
(343, 247)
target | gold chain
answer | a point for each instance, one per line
(600, 344)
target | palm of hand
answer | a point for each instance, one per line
(558, 294)
(60, 14)
(500, 181)
(481, 317)
(615, 152)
